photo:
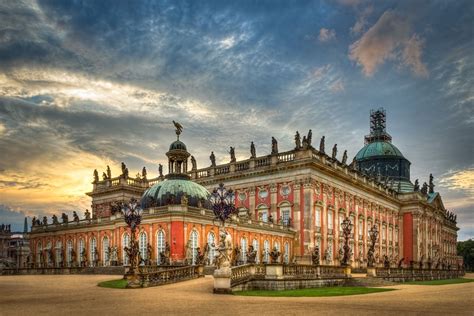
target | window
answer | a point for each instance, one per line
(286, 256)
(160, 245)
(142, 243)
(285, 215)
(318, 217)
(390, 239)
(341, 219)
(256, 248)
(369, 227)
(330, 221)
(266, 251)
(384, 232)
(194, 245)
(80, 250)
(361, 228)
(276, 245)
(243, 249)
(69, 252)
(211, 241)
(263, 214)
(59, 255)
(105, 250)
(48, 254)
(92, 249)
(39, 250)
(125, 243)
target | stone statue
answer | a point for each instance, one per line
(232, 154)
(304, 143)
(109, 173)
(75, 217)
(315, 256)
(193, 163)
(236, 256)
(149, 254)
(274, 146)
(370, 257)
(124, 171)
(327, 255)
(224, 250)
(87, 215)
(33, 221)
(65, 218)
(322, 145)
(253, 153)
(275, 255)
(297, 140)
(334, 151)
(213, 159)
(96, 176)
(354, 163)
(179, 128)
(55, 220)
(251, 255)
(424, 188)
(344, 157)
(416, 187)
(431, 185)
(199, 256)
(400, 262)
(386, 262)
(144, 173)
(184, 200)
(45, 220)
(104, 176)
(160, 170)
(189, 253)
(309, 138)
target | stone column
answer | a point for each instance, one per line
(273, 201)
(308, 217)
(252, 202)
(297, 219)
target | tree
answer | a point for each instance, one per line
(466, 250)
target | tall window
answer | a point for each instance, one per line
(369, 227)
(48, 256)
(286, 257)
(80, 250)
(69, 252)
(318, 217)
(361, 228)
(211, 241)
(384, 232)
(194, 245)
(266, 251)
(341, 219)
(39, 250)
(263, 214)
(276, 245)
(330, 220)
(390, 232)
(125, 243)
(59, 254)
(92, 248)
(256, 248)
(160, 245)
(285, 215)
(243, 249)
(105, 250)
(142, 243)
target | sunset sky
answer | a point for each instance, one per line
(86, 84)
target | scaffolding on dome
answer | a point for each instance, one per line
(378, 126)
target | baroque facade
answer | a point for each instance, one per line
(291, 201)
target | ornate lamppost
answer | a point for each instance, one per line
(346, 231)
(373, 235)
(132, 213)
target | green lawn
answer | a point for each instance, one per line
(441, 282)
(114, 284)
(322, 291)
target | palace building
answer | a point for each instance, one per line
(291, 201)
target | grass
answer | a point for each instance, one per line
(315, 292)
(114, 284)
(441, 282)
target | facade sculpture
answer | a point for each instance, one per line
(253, 152)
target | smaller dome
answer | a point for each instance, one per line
(179, 145)
(378, 149)
(170, 191)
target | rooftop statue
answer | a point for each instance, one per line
(87, 214)
(431, 185)
(310, 137)
(253, 152)
(75, 217)
(104, 176)
(232, 154)
(65, 218)
(45, 220)
(213, 159)
(160, 169)
(416, 187)
(96, 176)
(344, 157)
(124, 171)
(109, 173)
(193, 163)
(144, 173)
(179, 128)
(322, 145)
(305, 143)
(274, 146)
(424, 188)
(297, 140)
(55, 219)
(334, 151)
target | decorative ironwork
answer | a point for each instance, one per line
(346, 231)
(132, 215)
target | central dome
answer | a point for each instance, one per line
(170, 191)
(377, 149)
(177, 145)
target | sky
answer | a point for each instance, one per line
(86, 84)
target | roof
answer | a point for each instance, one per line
(161, 193)
(178, 145)
(378, 149)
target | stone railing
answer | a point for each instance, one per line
(287, 156)
(154, 276)
(242, 273)
(403, 275)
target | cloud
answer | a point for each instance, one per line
(390, 38)
(325, 35)
(337, 86)
(459, 180)
(361, 22)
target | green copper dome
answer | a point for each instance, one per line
(378, 149)
(177, 145)
(170, 191)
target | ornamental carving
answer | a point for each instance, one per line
(273, 188)
(242, 196)
(317, 187)
(262, 193)
(285, 190)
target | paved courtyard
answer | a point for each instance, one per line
(79, 294)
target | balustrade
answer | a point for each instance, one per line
(153, 276)
(284, 157)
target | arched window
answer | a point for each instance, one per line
(330, 219)
(243, 249)
(318, 217)
(142, 243)
(266, 251)
(39, 251)
(361, 228)
(105, 250)
(194, 245)
(160, 245)
(80, 251)
(125, 243)
(92, 249)
(256, 248)
(69, 252)
(211, 241)
(59, 255)
(285, 210)
(48, 254)
(262, 212)
(286, 256)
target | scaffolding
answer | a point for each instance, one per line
(378, 126)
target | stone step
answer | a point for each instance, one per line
(369, 282)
